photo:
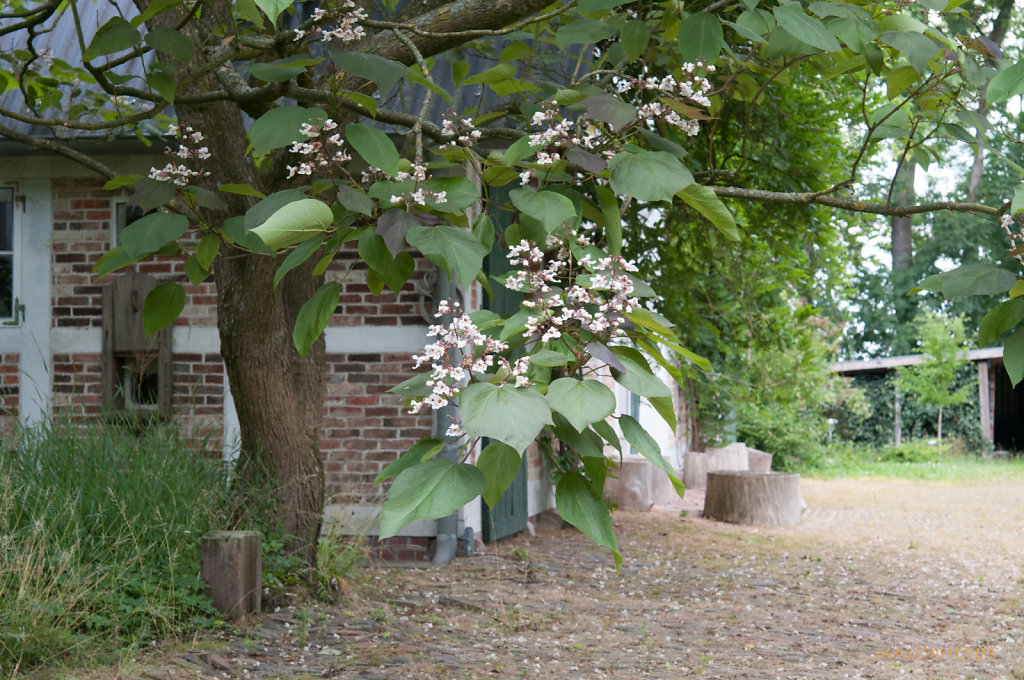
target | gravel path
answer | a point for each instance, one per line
(883, 579)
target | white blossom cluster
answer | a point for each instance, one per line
(420, 197)
(459, 131)
(348, 28)
(189, 147)
(695, 90)
(320, 150)
(597, 307)
(461, 351)
(558, 134)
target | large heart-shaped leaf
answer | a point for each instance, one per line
(510, 415)
(649, 175)
(999, 319)
(424, 449)
(384, 72)
(454, 249)
(977, 279)
(550, 209)
(114, 36)
(150, 232)
(294, 223)
(703, 200)
(429, 490)
(582, 402)
(374, 146)
(700, 37)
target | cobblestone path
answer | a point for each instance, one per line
(883, 579)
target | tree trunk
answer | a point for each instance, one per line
(278, 395)
(940, 430)
(903, 259)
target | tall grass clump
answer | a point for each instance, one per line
(99, 540)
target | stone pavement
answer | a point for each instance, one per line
(866, 587)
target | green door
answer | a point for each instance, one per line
(510, 514)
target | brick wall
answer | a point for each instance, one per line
(357, 306)
(365, 427)
(9, 393)
(198, 398)
(83, 222)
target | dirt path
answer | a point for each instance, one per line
(883, 579)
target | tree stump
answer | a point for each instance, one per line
(232, 565)
(760, 498)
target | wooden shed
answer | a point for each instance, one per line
(1000, 403)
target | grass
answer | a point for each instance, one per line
(914, 460)
(99, 542)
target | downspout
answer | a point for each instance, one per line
(447, 527)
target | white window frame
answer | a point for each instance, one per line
(15, 254)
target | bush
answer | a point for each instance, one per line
(911, 452)
(100, 537)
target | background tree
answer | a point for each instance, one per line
(943, 342)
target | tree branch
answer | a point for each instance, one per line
(852, 205)
(45, 144)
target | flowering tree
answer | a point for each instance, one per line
(281, 154)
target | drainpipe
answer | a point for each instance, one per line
(447, 527)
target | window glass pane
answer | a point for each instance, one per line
(6, 219)
(6, 286)
(124, 214)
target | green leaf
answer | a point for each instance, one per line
(114, 36)
(1016, 206)
(162, 306)
(1013, 356)
(150, 232)
(899, 79)
(392, 226)
(432, 489)
(121, 181)
(578, 506)
(390, 272)
(206, 250)
(999, 319)
(262, 211)
(384, 72)
(607, 432)
(493, 75)
(427, 448)
(242, 190)
(585, 444)
(805, 27)
(550, 209)
(194, 271)
(355, 200)
(171, 42)
(273, 8)
(460, 194)
(918, 48)
(500, 464)
(374, 146)
(582, 402)
(649, 175)
(111, 261)
(583, 31)
(296, 257)
(1009, 82)
(666, 408)
(548, 357)
(638, 377)
(294, 223)
(414, 387)
(1018, 289)
(280, 70)
(510, 415)
(611, 110)
(314, 316)
(635, 36)
(703, 200)
(976, 279)
(454, 249)
(483, 230)
(700, 38)
(162, 84)
(645, 445)
(280, 127)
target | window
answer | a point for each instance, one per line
(8, 280)
(124, 214)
